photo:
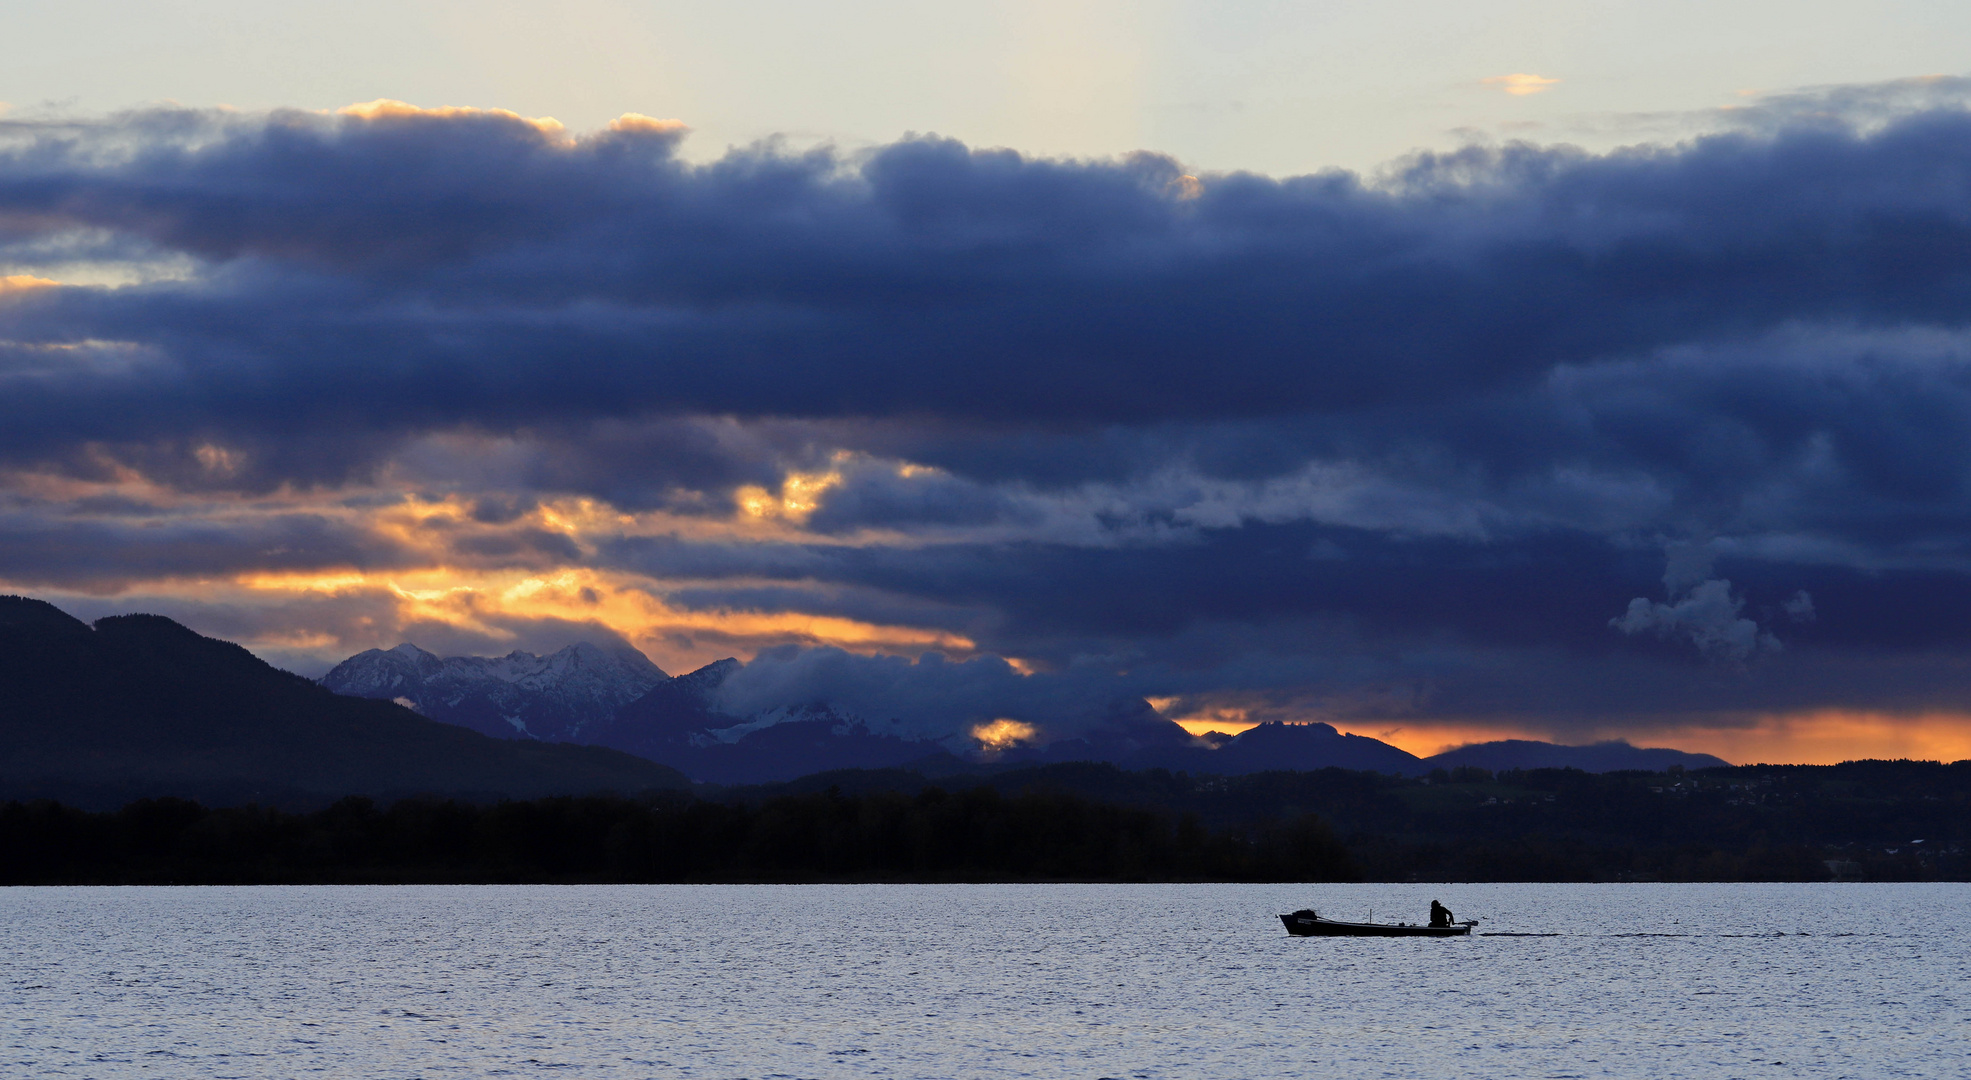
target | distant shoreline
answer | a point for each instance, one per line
(1079, 823)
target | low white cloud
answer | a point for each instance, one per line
(1521, 83)
(1707, 615)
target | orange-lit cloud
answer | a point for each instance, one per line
(436, 563)
(13, 284)
(638, 123)
(218, 459)
(481, 602)
(1004, 733)
(426, 527)
(390, 109)
(431, 560)
(1521, 83)
(1199, 719)
(800, 495)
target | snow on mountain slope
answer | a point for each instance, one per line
(554, 698)
(617, 698)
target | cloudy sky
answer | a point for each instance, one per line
(1442, 371)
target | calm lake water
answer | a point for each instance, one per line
(1653, 981)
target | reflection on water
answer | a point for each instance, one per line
(983, 981)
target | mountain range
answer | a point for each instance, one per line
(1601, 757)
(137, 705)
(555, 698)
(616, 698)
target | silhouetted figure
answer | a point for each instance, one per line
(1440, 915)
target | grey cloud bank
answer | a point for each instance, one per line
(412, 270)
(1417, 446)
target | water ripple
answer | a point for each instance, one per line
(1147, 981)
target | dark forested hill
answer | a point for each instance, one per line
(138, 705)
(1613, 756)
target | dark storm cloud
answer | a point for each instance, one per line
(878, 497)
(1051, 601)
(1552, 589)
(1550, 692)
(1357, 624)
(39, 547)
(107, 542)
(931, 696)
(1290, 667)
(1420, 443)
(429, 270)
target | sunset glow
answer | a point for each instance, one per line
(1829, 737)
(481, 381)
(482, 601)
(24, 283)
(1521, 84)
(1003, 733)
(1226, 719)
(854, 539)
(385, 109)
(1819, 738)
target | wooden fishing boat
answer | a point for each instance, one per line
(1306, 923)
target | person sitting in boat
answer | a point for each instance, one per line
(1440, 915)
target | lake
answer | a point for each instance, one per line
(1711, 981)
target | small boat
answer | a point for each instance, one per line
(1306, 923)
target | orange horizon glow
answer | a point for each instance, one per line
(1202, 720)
(1224, 727)
(1823, 737)
(479, 601)
(1829, 737)
(1429, 740)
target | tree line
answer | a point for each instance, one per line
(1860, 820)
(1867, 821)
(932, 835)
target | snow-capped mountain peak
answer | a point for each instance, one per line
(551, 697)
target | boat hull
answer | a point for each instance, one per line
(1315, 926)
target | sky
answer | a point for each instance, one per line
(1439, 371)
